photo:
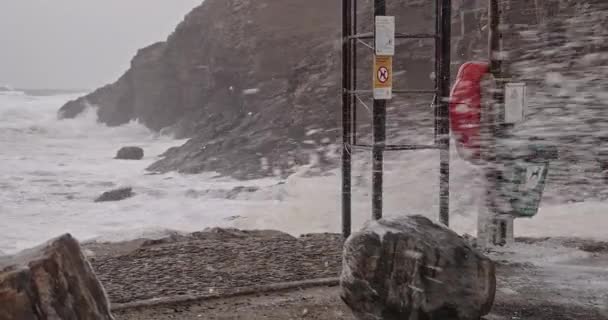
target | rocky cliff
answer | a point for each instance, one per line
(255, 84)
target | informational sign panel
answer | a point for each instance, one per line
(534, 175)
(523, 178)
(515, 102)
(383, 77)
(385, 36)
(529, 184)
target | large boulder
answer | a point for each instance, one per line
(116, 195)
(130, 153)
(51, 282)
(411, 268)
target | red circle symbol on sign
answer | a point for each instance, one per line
(383, 74)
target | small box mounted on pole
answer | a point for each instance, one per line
(515, 102)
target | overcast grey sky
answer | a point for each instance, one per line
(82, 44)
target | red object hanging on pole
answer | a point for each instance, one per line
(465, 110)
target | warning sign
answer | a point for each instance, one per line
(383, 77)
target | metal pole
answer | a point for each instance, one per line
(346, 119)
(353, 60)
(495, 39)
(497, 227)
(379, 137)
(443, 64)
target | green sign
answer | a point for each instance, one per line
(522, 187)
(524, 178)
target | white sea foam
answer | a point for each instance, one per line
(52, 171)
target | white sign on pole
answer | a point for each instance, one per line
(385, 35)
(515, 102)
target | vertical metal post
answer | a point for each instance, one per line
(379, 137)
(353, 60)
(495, 44)
(497, 129)
(346, 118)
(443, 64)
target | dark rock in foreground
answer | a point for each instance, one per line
(116, 195)
(411, 268)
(130, 153)
(53, 281)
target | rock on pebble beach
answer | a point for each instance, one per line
(412, 268)
(54, 281)
(130, 153)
